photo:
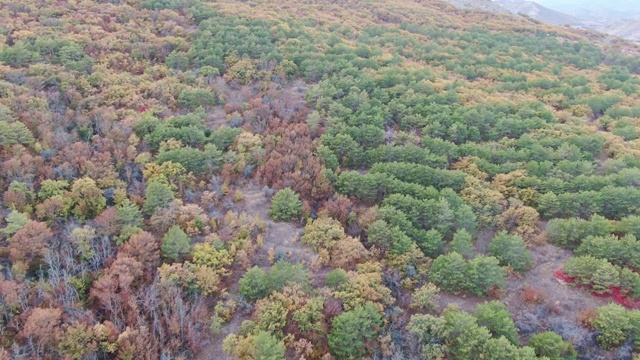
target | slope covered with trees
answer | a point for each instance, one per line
(314, 179)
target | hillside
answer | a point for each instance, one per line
(315, 179)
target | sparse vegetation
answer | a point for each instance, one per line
(304, 179)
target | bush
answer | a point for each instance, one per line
(285, 206)
(531, 295)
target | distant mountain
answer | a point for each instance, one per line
(616, 18)
(598, 10)
(538, 12)
(629, 29)
(588, 14)
(484, 5)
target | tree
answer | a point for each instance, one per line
(267, 347)
(352, 330)
(485, 275)
(15, 133)
(519, 220)
(629, 283)
(285, 205)
(582, 268)
(81, 238)
(87, 199)
(494, 316)
(129, 214)
(388, 237)
(291, 162)
(205, 254)
(449, 272)
(597, 273)
(605, 277)
(614, 324)
(175, 244)
(457, 330)
(430, 242)
(253, 284)
(283, 273)
(348, 252)
(43, 326)
(19, 196)
(502, 349)
(336, 278)
(322, 233)
(310, 319)
(193, 160)
(191, 99)
(462, 244)
(569, 233)
(511, 250)
(53, 209)
(157, 195)
(425, 297)
(29, 243)
(15, 221)
(458, 335)
(552, 345)
(78, 341)
(50, 188)
(145, 248)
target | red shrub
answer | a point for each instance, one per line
(531, 295)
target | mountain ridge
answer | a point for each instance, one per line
(538, 12)
(483, 5)
(628, 29)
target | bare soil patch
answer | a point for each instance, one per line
(283, 238)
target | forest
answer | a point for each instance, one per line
(315, 179)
